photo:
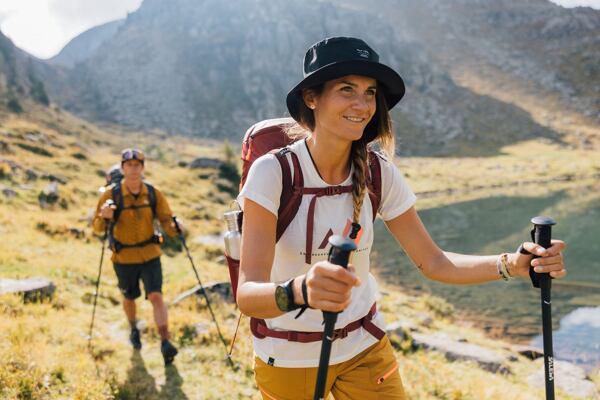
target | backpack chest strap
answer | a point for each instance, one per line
(310, 218)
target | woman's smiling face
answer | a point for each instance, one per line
(345, 106)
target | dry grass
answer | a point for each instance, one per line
(43, 347)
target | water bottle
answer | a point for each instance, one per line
(233, 235)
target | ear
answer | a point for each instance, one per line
(309, 98)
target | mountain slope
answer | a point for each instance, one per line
(82, 46)
(479, 74)
(19, 77)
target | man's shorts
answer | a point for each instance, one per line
(129, 276)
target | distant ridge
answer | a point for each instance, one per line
(479, 74)
(82, 46)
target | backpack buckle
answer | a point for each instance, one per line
(333, 190)
(339, 333)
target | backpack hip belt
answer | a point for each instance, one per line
(117, 246)
(260, 330)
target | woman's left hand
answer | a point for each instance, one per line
(551, 260)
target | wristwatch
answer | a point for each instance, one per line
(284, 296)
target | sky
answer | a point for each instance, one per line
(44, 27)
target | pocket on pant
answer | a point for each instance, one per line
(384, 365)
(387, 373)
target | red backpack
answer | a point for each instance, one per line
(269, 136)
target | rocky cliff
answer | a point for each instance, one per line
(211, 68)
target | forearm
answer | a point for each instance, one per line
(463, 269)
(98, 224)
(257, 299)
(165, 215)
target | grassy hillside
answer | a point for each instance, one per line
(43, 347)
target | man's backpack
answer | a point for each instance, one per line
(114, 175)
(270, 136)
(117, 197)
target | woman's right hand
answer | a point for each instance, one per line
(329, 286)
(107, 210)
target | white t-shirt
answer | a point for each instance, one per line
(263, 186)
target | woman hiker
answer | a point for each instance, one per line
(342, 105)
(130, 206)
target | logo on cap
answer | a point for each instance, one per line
(363, 53)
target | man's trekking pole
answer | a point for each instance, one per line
(180, 234)
(541, 235)
(339, 254)
(106, 228)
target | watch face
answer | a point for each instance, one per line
(281, 298)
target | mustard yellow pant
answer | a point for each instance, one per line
(372, 374)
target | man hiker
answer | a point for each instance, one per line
(130, 208)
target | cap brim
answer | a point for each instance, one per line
(393, 85)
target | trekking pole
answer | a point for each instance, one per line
(106, 228)
(541, 234)
(339, 254)
(180, 234)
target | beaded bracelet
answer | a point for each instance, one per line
(502, 266)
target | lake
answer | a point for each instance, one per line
(511, 310)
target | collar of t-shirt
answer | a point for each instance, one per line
(309, 168)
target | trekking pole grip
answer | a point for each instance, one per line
(339, 254)
(177, 228)
(541, 235)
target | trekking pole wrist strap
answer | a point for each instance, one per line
(305, 306)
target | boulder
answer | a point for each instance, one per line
(568, 377)
(56, 178)
(403, 329)
(223, 289)
(33, 289)
(457, 350)
(31, 175)
(8, 192)
(530, 352)
(49, 195)
(205, 162)
(210, 240)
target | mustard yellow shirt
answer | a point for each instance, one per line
(136, 225)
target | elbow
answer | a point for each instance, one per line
(242, 301)
(433, 268)
(427, 271)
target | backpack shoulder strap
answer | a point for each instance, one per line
(374, 181)
(291, 190)
(117, 198)
(151, 198)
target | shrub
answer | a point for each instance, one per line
(14, 106)
(35, 149)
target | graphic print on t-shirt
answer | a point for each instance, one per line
(325, 241)
(346, 233)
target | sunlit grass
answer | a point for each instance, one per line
(44, 348)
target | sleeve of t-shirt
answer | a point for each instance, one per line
(263, 185)
(396, 196)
